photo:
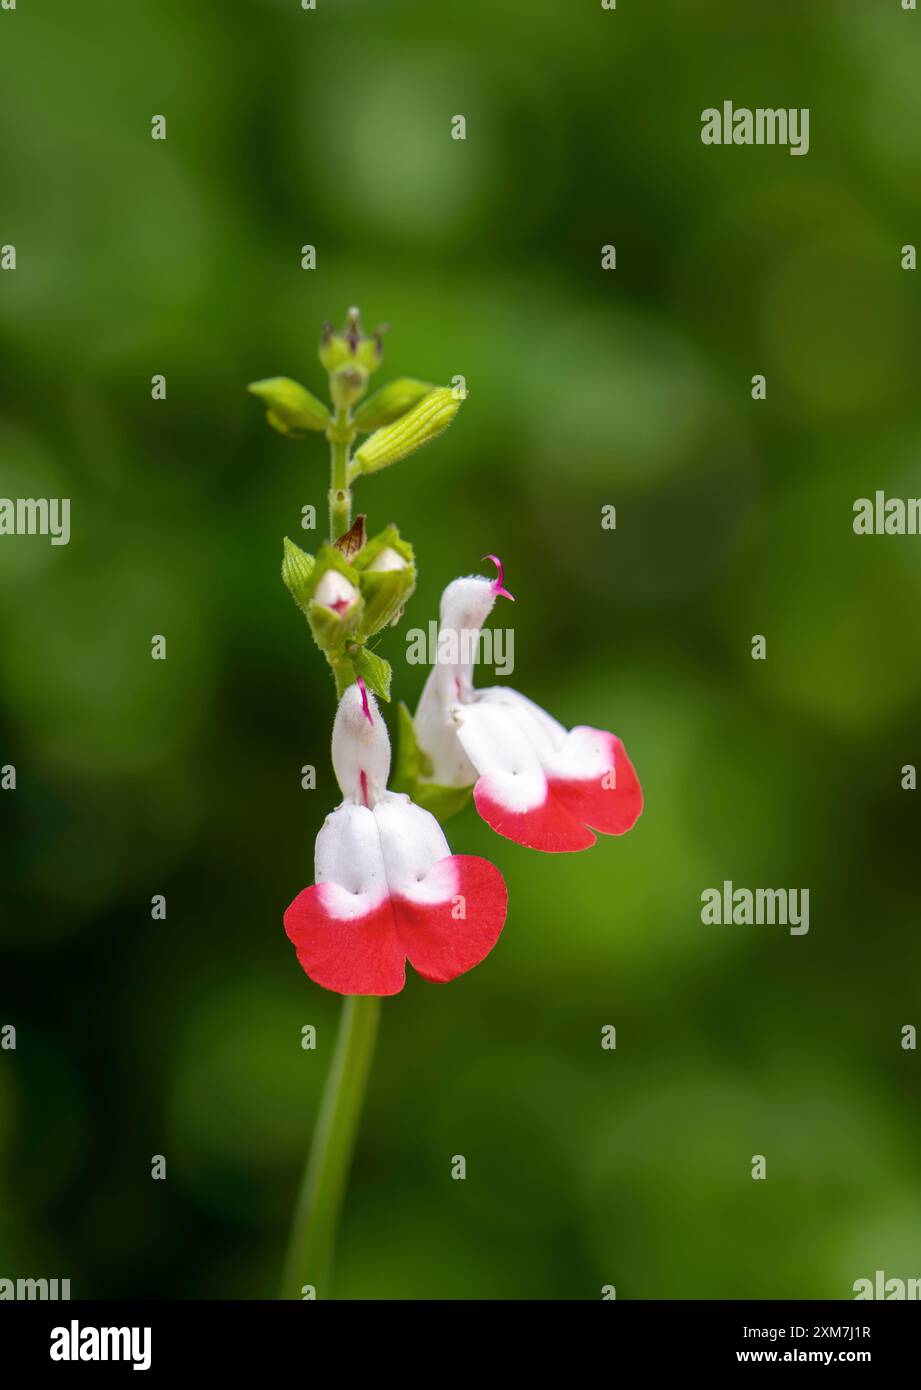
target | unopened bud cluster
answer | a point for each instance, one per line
(354, 587)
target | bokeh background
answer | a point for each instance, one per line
(587, 387)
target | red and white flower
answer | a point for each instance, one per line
(534, 781)
(387, 886)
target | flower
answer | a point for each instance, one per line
(536, 782)
(387, 886)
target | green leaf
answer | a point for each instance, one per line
(374, 671)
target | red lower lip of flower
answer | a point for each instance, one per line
(367, 954)
(572, 810)
(340, 605)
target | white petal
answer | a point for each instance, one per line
(465, 606)
(334, 590)
(349, 859)
(584, 756)
(360, 747)
(436, 731)
(580, 753)
(388, 559)
(467, 603)
(500, 749)
(412, 843)
(543, 730)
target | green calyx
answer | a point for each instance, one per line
(292, 409)
(332, 601)
(356, 660)
(390, 403)
(351, 347)
(296, 569)
(386, 567)
(413, 768)
(347, 385)
(419, 426)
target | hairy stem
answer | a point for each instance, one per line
(316, 1216)
(340, 494)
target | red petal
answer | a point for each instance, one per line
(610, 809)
(549, 827)
(366, 955)
(441, 944)
(358, 955)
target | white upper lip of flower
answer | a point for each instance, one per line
(361, 748)
(465, 605)
(377, 842)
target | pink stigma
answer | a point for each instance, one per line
(364, 700)
(497, 582)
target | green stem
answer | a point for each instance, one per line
(309, 1259)
(316, 1216)
(340, 494)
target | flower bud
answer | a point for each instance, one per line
(291, 407)
(336, 593)
(296, 568)
(387, 576)
(332, 600)
(390, 402)
(418, 426)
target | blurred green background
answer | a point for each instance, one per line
(587, 387)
